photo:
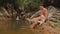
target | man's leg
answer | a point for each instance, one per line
(40, 22)
(33, 25)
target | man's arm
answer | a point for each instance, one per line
(35, 15)
(32, 17)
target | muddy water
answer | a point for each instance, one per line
(12, 27)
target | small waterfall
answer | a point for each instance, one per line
(54, 13)
(17, 19)
(51, 11)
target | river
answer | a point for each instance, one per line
(12, 27)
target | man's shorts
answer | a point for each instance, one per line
(40, 18)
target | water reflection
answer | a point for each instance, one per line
(14, 27)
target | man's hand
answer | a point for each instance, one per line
(31, 17)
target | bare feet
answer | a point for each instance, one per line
(40, 22)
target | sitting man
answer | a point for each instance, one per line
(40, 17)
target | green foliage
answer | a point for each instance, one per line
(27, 4)
(32, 5)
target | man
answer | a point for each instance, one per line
(40, 17)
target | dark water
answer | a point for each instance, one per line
(15, 27)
